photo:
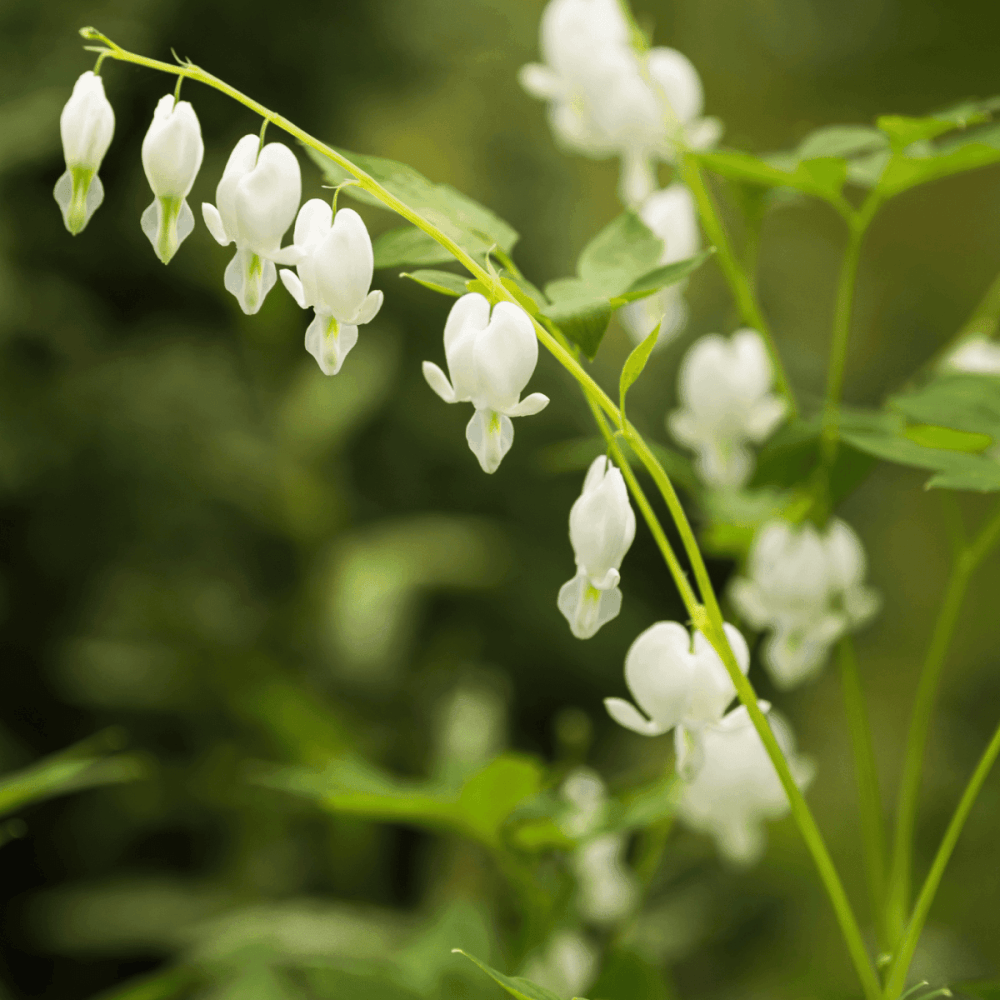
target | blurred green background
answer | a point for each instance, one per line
(211, 545)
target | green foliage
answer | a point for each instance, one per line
(516, 986)
(819, 177)
(472, 226)
(442, 282)
(634, 364)
(408, 246)
(962, 401)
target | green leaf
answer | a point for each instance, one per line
(664, 276)
(931, 436)
(407, 247)
(492, 794)
(618, 256)
(80, 767)
(516, 986)
(904, 130)
(626, 975)
(158, 986)
(442, 282)
(471, 225)
(584, 321)
(963, 401)
(841, 141)
(822, 178)
(634, 365)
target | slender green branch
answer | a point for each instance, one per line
(843, 311)
(965, 564)
(740, 285)
(707, 618)
(904, 955)
(869, 799)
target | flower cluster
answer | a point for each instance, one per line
(255, 203)
(726, 403)
(607, 99)
(808, 588)
(729, 785)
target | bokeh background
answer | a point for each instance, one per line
(210, 545)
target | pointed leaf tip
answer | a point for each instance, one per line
(634, 364)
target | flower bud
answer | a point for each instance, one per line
(171, 157)
(87, 124)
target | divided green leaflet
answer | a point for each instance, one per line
(516, 986)
(634, 364)
(408, 246)
(471, 225)
(442, 282)
(962, 400)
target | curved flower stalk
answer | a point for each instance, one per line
(678, 683)
(726, 403)
(672, 216)
(808, 588)
(601, 530)
(977, 354)
(86, 125)
(490, 360)
(736, 788)
(256, 201)
(171, 157)
(334, 277)
(605, 99)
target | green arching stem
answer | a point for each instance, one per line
(177, 90)
(707, 618)
(739, 283)
(869, 799)
(858, 224)
(897, 901)
(908, 945)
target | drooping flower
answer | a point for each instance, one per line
(678, 682)
(724, 388)
(86, 125)
(171, 157)
(671, 215)
(808, 588)
(334, 277)
(490, 360)
(736, 788)
(256, 202)
(977, 354)
(606, 99)
(601, 530)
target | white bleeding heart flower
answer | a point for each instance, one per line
(334, 278)
(606, 888)
(172, 152)
(256, 202)
(86, 125)
(736, 788)
(724, 387)
(490, 360)
(808, 588)
(671, 215)
(678, 682)
(601, 530)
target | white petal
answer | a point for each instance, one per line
(627, 715)
(541, 82)
(239, 164)
(637, 181)
(313, 223)
(173, 149)
(345, 265)
(601, 522)
(78, 203)
(290, 255)
(712, 689)
(370, 307)
(86, 124)
(529, 406)
(214, 223)
(438, 381)
(250, 277)
(329, 342)
(845, 555)
(504, 356)
(490, 435)
(467, 319)
(291, 281)
(267, 198)
(658, 671)
(167, 225)
(679, 80)
(585, 607)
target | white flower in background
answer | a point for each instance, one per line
(606, 99)
(256, 202)
(678, 682)
(808, 588)
(736, 787)
(671, 215)
(86, 124)
(601, 530)
(724, 387)
(978, 354)
(490, 360)
(606, 889)
(566, 964)
(171, 156)
(334, 277)
(587, 798)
